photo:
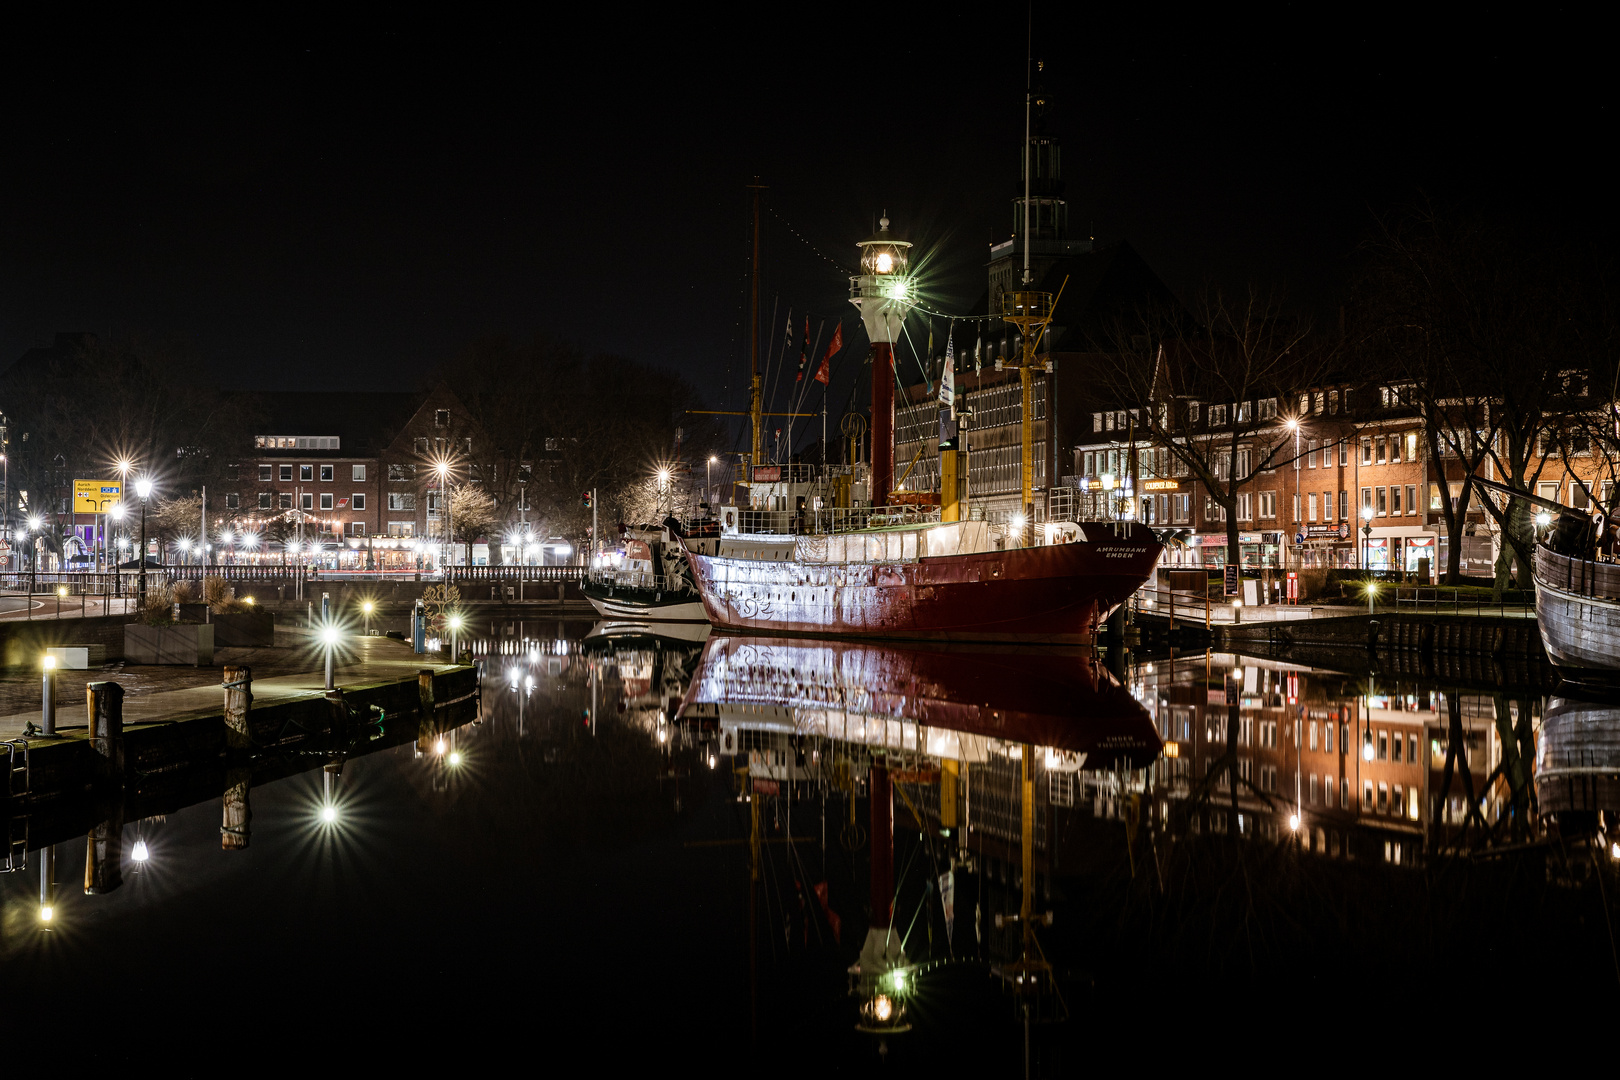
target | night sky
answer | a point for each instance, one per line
(313, 210)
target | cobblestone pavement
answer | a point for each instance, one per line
(293, 667)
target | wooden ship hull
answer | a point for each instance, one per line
(1578, 613)
(1578, 761)
(1054, 594)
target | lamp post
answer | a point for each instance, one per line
(708, 481)
(143, 488)
(47, 697)
(1366, 552)
(1299, 498)
(455, 635)
(367, 608)
(443, 470)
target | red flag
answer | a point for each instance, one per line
(823, 373)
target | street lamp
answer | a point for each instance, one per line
(143, 489)
(1366, 538)
(367, 608)
(1299, 498)
(455, 633)
(708, 481)
(443, 469)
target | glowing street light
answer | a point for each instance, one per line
(143, 490)
(367, 607)
(140, 853)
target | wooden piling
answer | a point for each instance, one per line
(104, 704)
(104, 853)
(238, 685)
(237, 812)
(424, 690)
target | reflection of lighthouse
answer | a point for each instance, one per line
(883, 295)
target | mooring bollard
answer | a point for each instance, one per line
(238, 687)
(47, 698)
(104, 704)
(234, 831)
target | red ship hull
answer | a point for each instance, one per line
(1057, 593)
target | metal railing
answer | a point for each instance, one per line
(1190, 607)
(835, 519)
(77, 582)
(1434, 599)
(636, 579)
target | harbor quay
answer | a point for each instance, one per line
(118, 729)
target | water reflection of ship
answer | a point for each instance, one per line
(1578, 771)
(959, 703)
(652, 671)
(967, 742)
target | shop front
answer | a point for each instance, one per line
(1325, 547)
(1257, 550)
(1399, 549)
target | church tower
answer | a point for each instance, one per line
(1045, 207)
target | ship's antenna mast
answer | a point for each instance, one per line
(755, 405)
(1029, 100)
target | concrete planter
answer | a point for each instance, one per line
(184, 644)
(244, 628)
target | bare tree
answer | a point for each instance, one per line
(472, 514)
(1479, 325)
(1203, 382)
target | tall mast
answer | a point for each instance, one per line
(1029, 105)
(755, 401)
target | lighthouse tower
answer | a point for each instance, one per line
(883, 294)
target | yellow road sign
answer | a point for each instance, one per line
(96, 496)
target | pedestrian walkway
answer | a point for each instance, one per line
(360, 660)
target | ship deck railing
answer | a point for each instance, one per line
(635, 579)
(1583, 577)
(837, 519)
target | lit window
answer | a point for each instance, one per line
(357, 473)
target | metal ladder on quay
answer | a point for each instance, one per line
(16, 857)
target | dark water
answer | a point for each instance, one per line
(568, 880)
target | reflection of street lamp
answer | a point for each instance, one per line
(455, 633)
(329, 638)
(143, 489)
